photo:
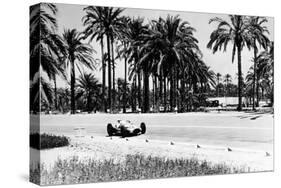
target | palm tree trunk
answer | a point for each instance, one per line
(55, 92)
(103, 74)
(125, 87)
(88, 102)
(189, 102)
(254, 76)
(177, 89)
(153, 93)
(109, 73)
(134, 95)
(257, 91)
(172, 89)
(239, 79)
(165, 94)
(139, 90)
(156, 95)
(181, 107)
(171, 92)
(262, 93)
(113, 73)
(160, 79)
(218, 81)
(72, 85)
(146, 91)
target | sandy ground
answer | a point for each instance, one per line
(100, 148)
(249, 135)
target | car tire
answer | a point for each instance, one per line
(110, 129)
(123, 131)
(143, 128)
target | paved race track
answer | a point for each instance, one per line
(251, 131)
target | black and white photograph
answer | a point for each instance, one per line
(130, 94)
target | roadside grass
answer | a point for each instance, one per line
(134, 167)
(47, 141)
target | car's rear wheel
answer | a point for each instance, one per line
(143, 128)
(123, 131)
(110, 129)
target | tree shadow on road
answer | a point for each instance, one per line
(253, 115)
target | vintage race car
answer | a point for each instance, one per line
(125, 128)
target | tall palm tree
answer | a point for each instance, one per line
(121, 93)
(266, 61)
(236, 32)
(63, 99)
(77, 53)
(218, 75)
(46, 47)
(90, 87)
(250, 83)
(123, 52)
(265, 67)
(172, 42)
(94, 23)
(258, 35)
(227, 80)
(134, 35)
(40, 90)
(108, 22)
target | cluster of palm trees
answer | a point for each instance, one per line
(262, 78)
(241, 31)
(224, 86)
(163, 66)
(163, 52)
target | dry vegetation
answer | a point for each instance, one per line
(132, 168)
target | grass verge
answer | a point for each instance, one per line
(132, 168)
(47, 141)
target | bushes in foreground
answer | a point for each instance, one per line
(47, 141)
(132, 168)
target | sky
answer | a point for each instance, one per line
(69, 17)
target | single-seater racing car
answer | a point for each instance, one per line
(125, 128)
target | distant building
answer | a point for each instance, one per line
(225, 101)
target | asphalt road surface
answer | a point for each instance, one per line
(252, 131)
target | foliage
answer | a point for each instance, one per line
(77, 53)
(165, 64)
(91, 91)
(132, 168)
(47, 141)
(46, 47)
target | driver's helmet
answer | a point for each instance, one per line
(122, 122)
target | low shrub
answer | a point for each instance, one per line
(132, 168)
(47, 141)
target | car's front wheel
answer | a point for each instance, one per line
(143, 128)
(110, 129)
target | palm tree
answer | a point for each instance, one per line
(94, 23)
(77, 53)
(258, 35)
(123, 51)
(265, 67)
(250, 83)
(63, 99)
(108, 22)
(90, 88)
(218, 75)
(172, 45)
(46, 47)
(227, 80)
(235, 31)
(121, 93)
(134, 36)
(265, 61)
(40, 93)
